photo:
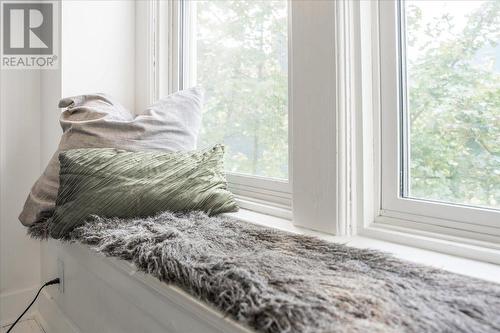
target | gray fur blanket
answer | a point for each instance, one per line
(275, 281)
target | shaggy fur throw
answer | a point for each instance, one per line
(275, 281)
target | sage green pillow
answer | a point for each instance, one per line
(117, 183)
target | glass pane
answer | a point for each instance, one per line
(238, 52)
(452, 105)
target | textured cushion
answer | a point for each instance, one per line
(118, 183)
(97, 121)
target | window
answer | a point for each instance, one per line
(270, 84)
(451, 104)
(389, 109)
(440, 119)
(238, 52)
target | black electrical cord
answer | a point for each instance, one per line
(51, 282)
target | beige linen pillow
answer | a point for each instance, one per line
(97, 121)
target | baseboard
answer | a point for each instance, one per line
(52, 318)
(13, 303)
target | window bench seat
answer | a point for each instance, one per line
(103, 294)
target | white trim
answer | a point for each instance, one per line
(264, 207)
(389, 88)
(147, 53)
(153, 43)
(168, 39)
(272, 184)
(187, 51)
(440, 210)
(314, 142)
(262, 194)
(348, 111)
(289, 189)
(448, 225)
(368, 152)
(270, 196)
(439, 242)
(365, 187)
(343, 111)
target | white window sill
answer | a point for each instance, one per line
(470, 267)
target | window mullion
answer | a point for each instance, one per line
(313, 107)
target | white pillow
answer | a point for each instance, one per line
(97, 121)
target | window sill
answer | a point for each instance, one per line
(416, 248)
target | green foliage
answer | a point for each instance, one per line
(242, 64)
(454, 107)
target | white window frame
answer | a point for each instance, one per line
(393, 204)
(381, 211)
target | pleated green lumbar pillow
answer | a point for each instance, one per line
(117, 183)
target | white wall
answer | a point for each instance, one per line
(98, 44)
(19, 167)
(97, 55)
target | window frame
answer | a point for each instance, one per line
(372, 54)
(393, 204)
